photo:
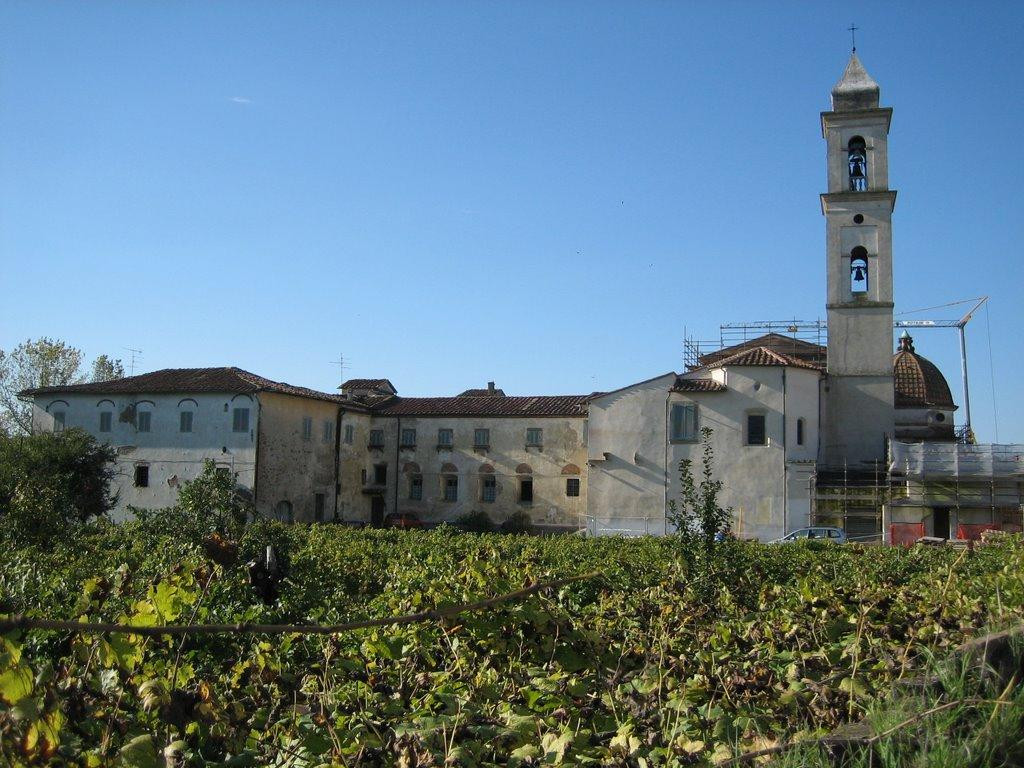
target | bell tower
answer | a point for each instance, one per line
(858, 206)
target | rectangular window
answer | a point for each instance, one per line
(376, 438)
(534, 437)
(141, 475)
(58, 421)
(318, 507)
(526, 490)
(756, 434)
(444, 438)
(408, 438)
(684, 422)
(350, 434)
(481, 438)
(106, 421)
(328, 431)
(240, 420)
(572, 486)
(489, 489)
(415, 487)
(451, 488)
(307, 428)
(363, 476)
(185, 421)
(380, 474)
(144, 421)
(799, 431)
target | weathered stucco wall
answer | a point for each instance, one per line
(294, 468)
(627, 455)
(564, 444)
(353, 504)
(171, 455)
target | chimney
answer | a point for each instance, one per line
(490, 387)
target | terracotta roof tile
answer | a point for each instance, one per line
(786, 345)
(538, 406)
(369, 384)
(917, 381)
(763, 356)
(482, 393)
(697, 385)
(185, 380)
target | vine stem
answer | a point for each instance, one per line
(20, 621)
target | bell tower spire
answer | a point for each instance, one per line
(858, 210)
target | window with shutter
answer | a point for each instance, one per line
(684, 422)
(240, 420)
(106, 421)
(185, 421)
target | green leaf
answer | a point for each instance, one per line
(15, 684)
(139, 753)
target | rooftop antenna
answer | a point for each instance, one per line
(342, 365)
(853, 36)
(131, 363)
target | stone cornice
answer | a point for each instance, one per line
(873, 196)
(860, 115)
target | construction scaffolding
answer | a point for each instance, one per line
(789, 336)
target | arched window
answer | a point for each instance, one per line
(857, 157)
(859, 270)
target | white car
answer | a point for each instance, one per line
(827, 533)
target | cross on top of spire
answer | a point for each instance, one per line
(853, 36)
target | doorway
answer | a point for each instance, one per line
(377, 511)
(940, 522)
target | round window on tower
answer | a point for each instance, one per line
(940, 417)
(858, 219)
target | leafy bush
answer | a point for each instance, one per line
(477, 521)
(673, 655)
(51, 483)
(210, 504)
(518, 522)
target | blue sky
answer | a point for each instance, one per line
(541, 194)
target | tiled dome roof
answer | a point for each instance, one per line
(918, 382)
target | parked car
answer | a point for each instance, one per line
(826, 533)
(405, 520)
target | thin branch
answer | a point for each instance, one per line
(20, 621)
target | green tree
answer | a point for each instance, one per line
(212, 503)
(697, 513)
(42, 363)
(105, 368)
(52, 482)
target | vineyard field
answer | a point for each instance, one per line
(672, 654)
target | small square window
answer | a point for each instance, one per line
(144, 421)
(328, 431)
(481, 438)
(141, 475)
(307, 428)
(106, 421)
(185, 421)
(572, 486)
(240, 420)
(526, 490)
(445, 438)
(408, 438)
(489, 489)
(376, 438)
(684, 422)
(451, 488)
(416, 487)
(534, 437)
(756, 433)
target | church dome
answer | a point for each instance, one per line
(918, 381)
